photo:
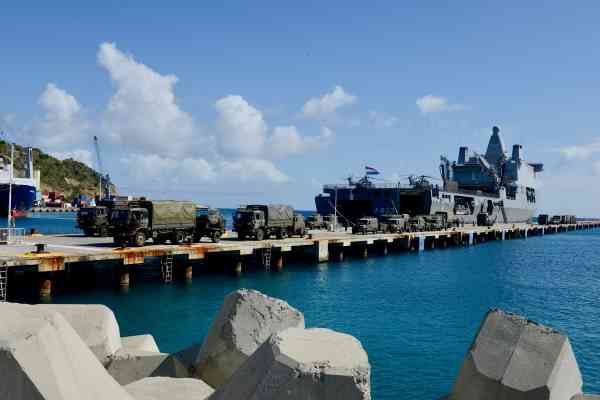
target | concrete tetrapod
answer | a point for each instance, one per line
(246, 319)
(140, 342)
(42, 357)
(96, 325)
(513, 358)
(169, 389)
(128, 366)
(299, 364)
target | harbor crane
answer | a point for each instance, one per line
(104, 183)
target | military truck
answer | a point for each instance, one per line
(209, 223)
(316, 221)
(139, 220)
(416, 224)
(366, 225)
(261, 221)
(543, 219)
(484, 219)
(95, 220)
(394, 223)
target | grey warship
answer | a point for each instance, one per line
(500, 185)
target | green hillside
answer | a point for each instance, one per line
(69, 176)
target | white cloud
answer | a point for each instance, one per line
(242, 128)
(432, 104)
(286, 141)
(143, 111)
(382, 120)
(580, 152)
(252, 169)
(82, 155)
(63, 125)
(326, 106)
(166, 173)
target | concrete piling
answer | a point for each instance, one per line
(278, 262)
(188, 273)
(237, 267)
(322, 250)
(45, 288)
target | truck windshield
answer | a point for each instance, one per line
(242, 216)
(120, 215)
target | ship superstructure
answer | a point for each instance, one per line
(496, 183)
(23, 187)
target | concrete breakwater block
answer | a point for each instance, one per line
(299, 364)
(42, 357)
(140, 343)
(96, 325)
(246, 319)
(169, 389)
(129, 366)
(514, 358)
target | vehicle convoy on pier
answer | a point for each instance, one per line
(495, 183)
(263, 221)
(136, 221)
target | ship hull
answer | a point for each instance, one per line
(23, 197)
(422, 202)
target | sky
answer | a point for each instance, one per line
(229, 102)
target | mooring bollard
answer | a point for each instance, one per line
(45, 288)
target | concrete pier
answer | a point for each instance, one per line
(72, 252)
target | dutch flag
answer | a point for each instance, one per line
(371, 170)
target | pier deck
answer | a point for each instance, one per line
(66, 251)
(63, 249)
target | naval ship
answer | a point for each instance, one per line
(500, 185)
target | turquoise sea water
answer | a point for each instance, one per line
(415, 314)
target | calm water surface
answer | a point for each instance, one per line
(415, 314)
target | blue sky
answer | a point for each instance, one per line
(236, 102)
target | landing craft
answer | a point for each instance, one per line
(499, 185)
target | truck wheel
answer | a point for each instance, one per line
(241, 236)
(139, 239)
(260, 234)
(103, 232)
(216, 236)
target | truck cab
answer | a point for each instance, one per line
(366, 225)
(129, 223)
(209, 223)
(94, 220)
(247, 221)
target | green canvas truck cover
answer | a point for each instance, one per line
(173, 213)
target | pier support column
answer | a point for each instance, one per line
(124, 278)
(237, 267)
(421, 243)
(364, 251)
(471, 235)
(278, 262)
(322, 250)
(384, 249)
(503, 234)
(525, 233)
(45, 288)
(188, 273)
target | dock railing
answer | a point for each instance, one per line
(12, 235)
